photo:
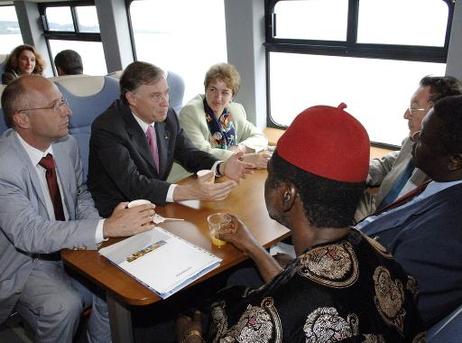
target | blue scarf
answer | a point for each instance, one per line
(222, 131)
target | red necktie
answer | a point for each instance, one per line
(152, 141)
(49, 164)
(405, 198)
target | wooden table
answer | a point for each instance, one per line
(122, 291)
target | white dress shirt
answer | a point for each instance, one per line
(171, 189)
(35, 156)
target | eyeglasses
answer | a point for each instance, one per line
(55, 106)
(413, 110)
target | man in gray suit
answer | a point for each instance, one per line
(395, 172)
(45, 207)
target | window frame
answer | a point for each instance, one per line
(75, 35)
(128, 3)
(347, 48)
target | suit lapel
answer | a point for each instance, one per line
(163, 137)
(65, 171)
(31, 169)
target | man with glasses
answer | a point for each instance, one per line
(422, 229)
(395, 172)
(45, 207)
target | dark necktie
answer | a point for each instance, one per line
(48, 163)
(152, 142)
(404, 199)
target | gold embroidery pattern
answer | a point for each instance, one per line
(411, 286)
(254, 326)
(334, 265)
(219, 318)
(325, 325)
(258, 324)
(368, 338)
(389, 298)
(268, 305)
(420, 338)
(377, 246)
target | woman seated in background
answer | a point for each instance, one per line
(219, 126)
(23, 60)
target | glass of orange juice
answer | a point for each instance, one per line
(217, 222)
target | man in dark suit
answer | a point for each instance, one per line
(135, 142)
(425, 234)
(45, 207)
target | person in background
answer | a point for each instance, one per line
(45, 207)
(68, 62)
(23, 60)
(144, 134)
(424, 233)
(343, 286)
(395, 173)
(219, 126)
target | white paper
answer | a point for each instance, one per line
(170, 264)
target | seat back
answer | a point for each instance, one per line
(175, 84)
(447, 330)
(3, 126)
(3, 58)
(88, 97)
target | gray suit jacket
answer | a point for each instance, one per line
(384, 172)
(26, 228)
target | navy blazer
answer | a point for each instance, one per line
(426, 239)
(121, 167)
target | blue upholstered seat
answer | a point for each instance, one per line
(448, 330)
(3, 58)
(3, 126)
(88, 97)
(175, 84)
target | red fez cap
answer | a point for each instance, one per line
(328, 142)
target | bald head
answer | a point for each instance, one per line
(21, 94)
(36, 109)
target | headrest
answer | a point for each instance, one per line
(3, 126)
(328, 142)
(116, 74)
(80, 85)
(86, 108)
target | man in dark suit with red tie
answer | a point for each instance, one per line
(424, 233)
(135, 142)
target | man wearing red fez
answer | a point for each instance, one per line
(342, 285)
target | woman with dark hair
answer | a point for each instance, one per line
(23, 60)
